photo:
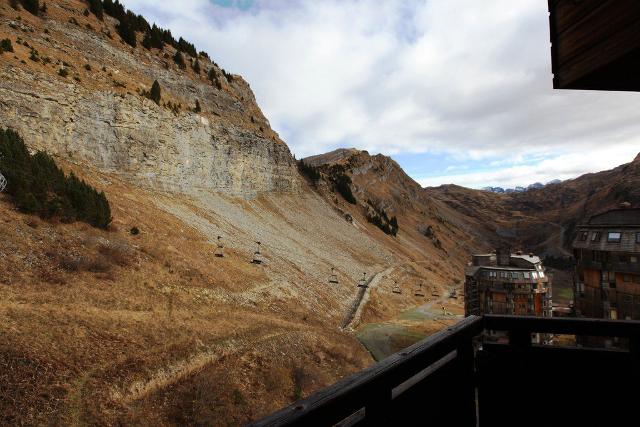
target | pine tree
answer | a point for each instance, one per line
(31, 6)
(37, 185)
(196, 67)
(127, 32)
(155, 94)
(197, 109)
(153, 38)
(95, 6)
(178, 59)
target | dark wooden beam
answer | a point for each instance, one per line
(595, 44)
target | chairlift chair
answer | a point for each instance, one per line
(418, 292)
(3, 183)
(333, 277)
(257, 256)
(434, 292)
(396, 289)
(453, 294)
(219, 252)
(363, 282)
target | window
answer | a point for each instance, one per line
(638, 238)
(614, 237)
(595, 237)
(583, 235)
(541, 274)
(492, 274)
(534, 274)
(527, 275)
(503, 274)
(633, 259)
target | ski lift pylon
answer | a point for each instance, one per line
(219, 252)
(363, 282)
(3, 183)
(333, 277)
(396, 289)
(257, 256)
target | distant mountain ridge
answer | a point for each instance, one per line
(543, 219)
(519, 189)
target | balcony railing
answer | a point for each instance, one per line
(453, 378)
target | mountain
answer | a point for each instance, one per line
(543, 219)
(141, 323)
(72, 87)
(499, 190)
(534, 186)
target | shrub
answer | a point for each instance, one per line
(34, 56)
(5, 46)
(196, 67)
(87, 67)
(134, 231)
(63, 72)
(178, 59)
(155, 95)
(36, 185)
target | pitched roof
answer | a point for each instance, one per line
(617, 217)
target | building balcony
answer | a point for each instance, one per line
(453, 378)
(625, 267)
(620, 267)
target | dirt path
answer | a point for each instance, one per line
(362, 297)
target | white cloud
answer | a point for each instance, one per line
(564, 166)
(466, 77)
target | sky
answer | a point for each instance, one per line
(456, 91)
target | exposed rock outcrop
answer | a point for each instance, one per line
(97, 115)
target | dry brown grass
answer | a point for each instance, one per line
(109, 328)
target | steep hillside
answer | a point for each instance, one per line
(74, 88)
(141, 323)
(382, 191)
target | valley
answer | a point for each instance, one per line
(140, 323)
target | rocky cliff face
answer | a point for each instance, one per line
(97, 115)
